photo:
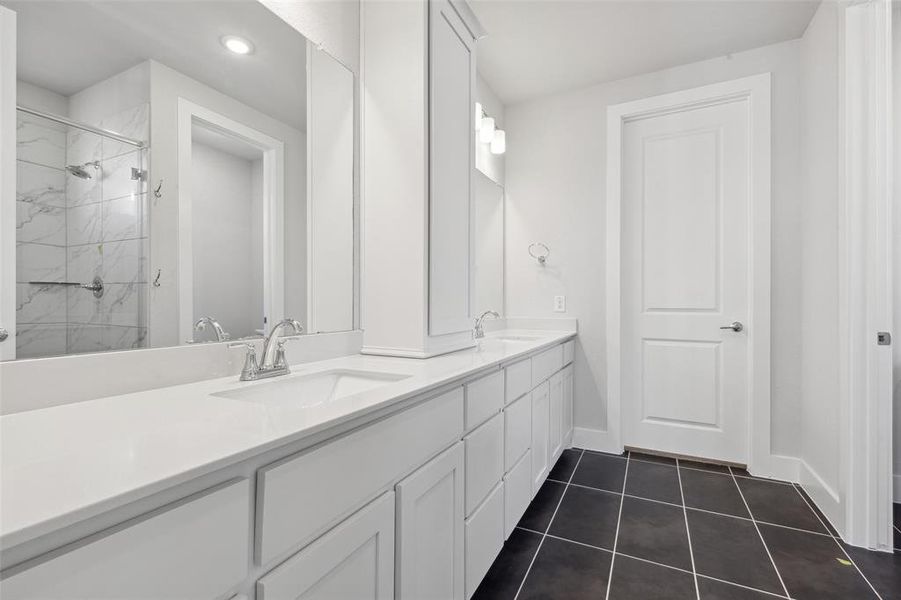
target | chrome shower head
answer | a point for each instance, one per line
(80, 171)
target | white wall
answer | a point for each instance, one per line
(38, 98)
(492, 165)
(820, 398)
(223, 252)
(555, 186)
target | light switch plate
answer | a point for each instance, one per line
(559, 303)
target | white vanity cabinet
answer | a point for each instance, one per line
(353, 560)
(411, 504)
(197, 549)
(430, 529)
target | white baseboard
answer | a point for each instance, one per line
(897, 494)
(595, 439)
(822, 494)
(777, 466)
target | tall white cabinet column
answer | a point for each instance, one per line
(418, 85)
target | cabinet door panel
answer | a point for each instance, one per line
(430, 530)
(452, 77)
(353, 560)
(540, 422)
(484, 538)
(555, 424)
(517, 493)
(568, 405)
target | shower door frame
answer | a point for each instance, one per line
(189, 114)
(8, 181)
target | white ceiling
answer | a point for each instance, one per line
(66, 46)
(539, 47)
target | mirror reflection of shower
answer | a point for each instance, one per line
(80, 221)
(81, 172)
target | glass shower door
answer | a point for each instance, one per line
(81, 240)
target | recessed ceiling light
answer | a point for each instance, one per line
(236, 44)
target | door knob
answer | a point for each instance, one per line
(3, 334)
(736, 326)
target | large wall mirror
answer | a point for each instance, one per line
(177, 163)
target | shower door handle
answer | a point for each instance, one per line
(3, 334)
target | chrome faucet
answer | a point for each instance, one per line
(273, 361)
(202, 322)
(478, 332)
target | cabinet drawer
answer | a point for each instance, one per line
(518, 379)
(484, 538)
(484, 397)
(546, 364)
(569, 349)
(301, 496)
(198, 549)
(484, 461)
(354, 560)
(517, 430)
(517, 492)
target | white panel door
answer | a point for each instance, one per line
(353, 560)
(451, 161)
(685, 273)
(430, 530)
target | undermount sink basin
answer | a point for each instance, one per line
(313, 389)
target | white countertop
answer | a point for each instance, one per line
(67, 463)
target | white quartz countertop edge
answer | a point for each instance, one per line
(66, 464)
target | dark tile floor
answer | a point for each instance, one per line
(645, 527)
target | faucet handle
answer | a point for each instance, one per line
(251, 368)
(281, 361)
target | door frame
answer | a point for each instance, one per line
(865, 274)
(8, 181)
(273, 150)
(756, 91)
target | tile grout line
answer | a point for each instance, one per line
(742, 586)
(729, 474)
(701, 575)
(756, 527)
(691, 552)
(695, 508)
(548, 528)
(619, 519)
(825, 525)
(838, 543)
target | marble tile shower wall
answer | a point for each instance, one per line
(73, 229)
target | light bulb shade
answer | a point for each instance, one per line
(486, 132)
(499, 142)
(479, 113)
